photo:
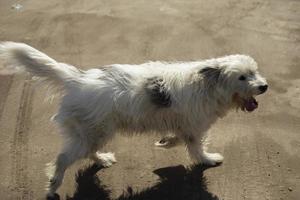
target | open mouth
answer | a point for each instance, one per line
(246, 104)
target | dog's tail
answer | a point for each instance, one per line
(22, 56)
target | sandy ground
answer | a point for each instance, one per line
(261, 149)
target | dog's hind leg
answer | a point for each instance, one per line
(103, 135)
(74, 149)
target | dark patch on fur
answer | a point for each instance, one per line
(105, 68)
(158, 93)
(210, 73)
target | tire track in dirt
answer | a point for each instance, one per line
(19, 147)
(5, 84)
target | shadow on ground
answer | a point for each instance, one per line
(175, 183)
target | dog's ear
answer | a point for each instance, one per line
(211, 73)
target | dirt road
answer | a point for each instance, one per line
(261, 149)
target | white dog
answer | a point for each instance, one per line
(185, 98)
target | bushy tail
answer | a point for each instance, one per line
(22, 56)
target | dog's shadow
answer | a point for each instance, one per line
(175, 183)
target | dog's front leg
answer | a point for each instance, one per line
(197, 153)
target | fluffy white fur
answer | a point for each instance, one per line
(184, 98)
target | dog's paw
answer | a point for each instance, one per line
(211, 159)
(167, 142)
(162, 143)
(105, 159)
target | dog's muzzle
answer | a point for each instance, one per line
(246, 104)
(263, 88)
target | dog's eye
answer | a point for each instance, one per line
(242, 78)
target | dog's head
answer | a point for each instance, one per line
(238, 80)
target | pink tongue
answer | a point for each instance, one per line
(251, 104)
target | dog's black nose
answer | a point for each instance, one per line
(263, 88)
